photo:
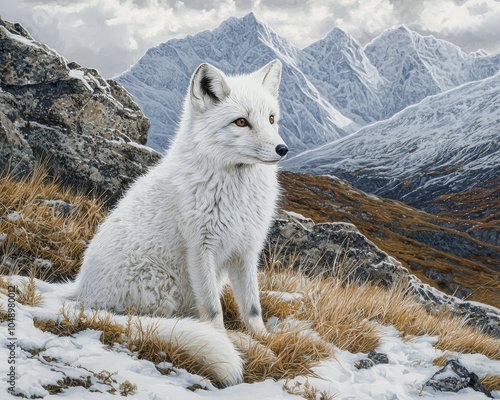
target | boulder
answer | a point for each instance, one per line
(86, 130)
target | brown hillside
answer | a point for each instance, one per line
(446, 258)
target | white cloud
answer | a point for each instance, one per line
(110, 35)
(471, 25)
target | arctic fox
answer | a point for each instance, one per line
(198, 220)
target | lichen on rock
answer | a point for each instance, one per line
(89, 131)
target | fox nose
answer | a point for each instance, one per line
(281, 149)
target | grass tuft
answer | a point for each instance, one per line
(306, 390)
(28, 295)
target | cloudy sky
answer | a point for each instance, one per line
(110, 35)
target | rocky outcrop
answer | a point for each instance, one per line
(88, 131)
(339, 249)
(332, 249)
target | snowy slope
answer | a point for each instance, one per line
(44, 359)
(447, 143)
(160, 79)
(417, 66)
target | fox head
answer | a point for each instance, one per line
(235, 118)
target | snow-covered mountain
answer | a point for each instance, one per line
(447, 143)
(160, 79)
(416, 66)
(329, 89)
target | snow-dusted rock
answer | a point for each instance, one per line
(86, 128)
(454, 377)
(340, 250)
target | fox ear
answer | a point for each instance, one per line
(208, 87)
(271, 76)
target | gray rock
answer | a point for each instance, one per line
(374, 358)
(486, 234)
(332, 249)
(339, 249)
(437, 276)
(444, 280)
(88, 131)
(454, 377)
(364, 363)
(378, 358)
(60, 207)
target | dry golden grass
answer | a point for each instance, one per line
(290, 353)
(306, 390)
(28, 294)
(441, 360)
(41, 235)
(142, 341)
(71, 323)
(127, 388)
(347, 314)
(491, 382)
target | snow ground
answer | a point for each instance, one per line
(83, 355)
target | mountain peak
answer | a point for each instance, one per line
(335, 39)
(251, 18)
(338, 35)
(247, 22)
(402, 29)
(337, 32)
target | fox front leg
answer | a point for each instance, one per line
(244, 280)
(203, 277)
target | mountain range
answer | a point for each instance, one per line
(159, 81)
(329, 89)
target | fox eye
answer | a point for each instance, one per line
(241, 122)
(271, 119)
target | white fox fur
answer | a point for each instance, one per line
(198, 220)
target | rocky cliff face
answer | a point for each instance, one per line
(89, 131)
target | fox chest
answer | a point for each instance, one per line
(230, 215)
